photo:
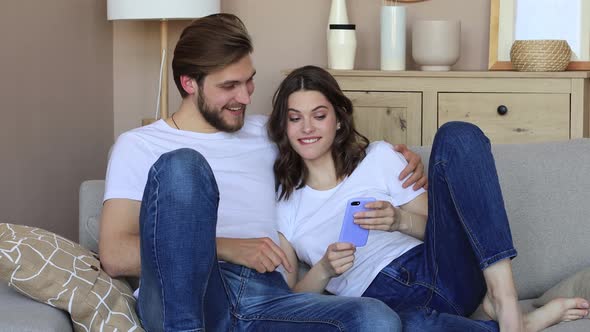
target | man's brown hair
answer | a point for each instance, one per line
(209, 44)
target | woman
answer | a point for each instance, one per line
(434, 258)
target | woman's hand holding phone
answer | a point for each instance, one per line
(381, 216)
(339, 258)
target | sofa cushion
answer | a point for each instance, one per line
(577, 285)
(90, 206)
(20, 313)
(53, 270)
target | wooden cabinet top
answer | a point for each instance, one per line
(461, 74)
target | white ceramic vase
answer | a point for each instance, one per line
(338, 13)
(341, 38)
(393, 38)
(341, 46)
(436, 44)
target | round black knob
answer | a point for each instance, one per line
(502, 110)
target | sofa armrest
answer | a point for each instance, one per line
(91, 195)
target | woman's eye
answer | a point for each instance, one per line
(320, 117)
(293, 119)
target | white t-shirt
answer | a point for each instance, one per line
(241, 162)
(311, 219)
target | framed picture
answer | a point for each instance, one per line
(512, 20)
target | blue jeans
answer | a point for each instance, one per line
(435, 285)
(185, 288)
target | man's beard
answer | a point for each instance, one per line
(214, 118)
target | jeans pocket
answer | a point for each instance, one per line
(399, 273)
(248, 288)
(393, 286)
(264, 285)
(235, 279)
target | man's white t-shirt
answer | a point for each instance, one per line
(242, 163)
(311, 219)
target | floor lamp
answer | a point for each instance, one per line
(162, 10)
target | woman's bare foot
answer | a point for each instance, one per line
(506, 311)
(501, 300)
(556, 311)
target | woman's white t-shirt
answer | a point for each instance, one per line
(311, 219)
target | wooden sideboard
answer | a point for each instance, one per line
(510, 107)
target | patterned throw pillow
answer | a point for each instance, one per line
(53, 270)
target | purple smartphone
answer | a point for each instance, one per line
(351, 232)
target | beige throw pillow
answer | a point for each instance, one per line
(53, 270)
(577, 285)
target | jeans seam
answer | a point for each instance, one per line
(392, 276)
(154, 244)
(245, 274)
(432, 287)
(232, 307)
(331, 322)
(475, 244)
(448, 301)
(244, 277)
(510, 253)
(433, 239)
(139, 312)
(429, 310)
(224, 283)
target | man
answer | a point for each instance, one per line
(189, 207)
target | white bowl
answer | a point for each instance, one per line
(436, 44)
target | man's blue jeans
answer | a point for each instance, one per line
(435, 285)
(184, 288)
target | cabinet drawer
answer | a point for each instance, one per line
(529, 117)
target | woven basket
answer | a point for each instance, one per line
(540, 55)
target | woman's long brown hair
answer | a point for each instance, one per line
(348, 148)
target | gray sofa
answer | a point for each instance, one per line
(547, 193)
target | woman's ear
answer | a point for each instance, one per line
(188, 84)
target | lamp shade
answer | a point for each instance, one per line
(160, 9)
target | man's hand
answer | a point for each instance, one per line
(260, 254)
(338, 258)
(382, 216)
(415, 166)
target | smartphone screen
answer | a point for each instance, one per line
(351, 232)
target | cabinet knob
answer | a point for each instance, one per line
(502, 110)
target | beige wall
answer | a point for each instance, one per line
(136, 69)
(286, 34)
(56, 108)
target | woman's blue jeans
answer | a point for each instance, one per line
(434, 286)
(185, 288)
